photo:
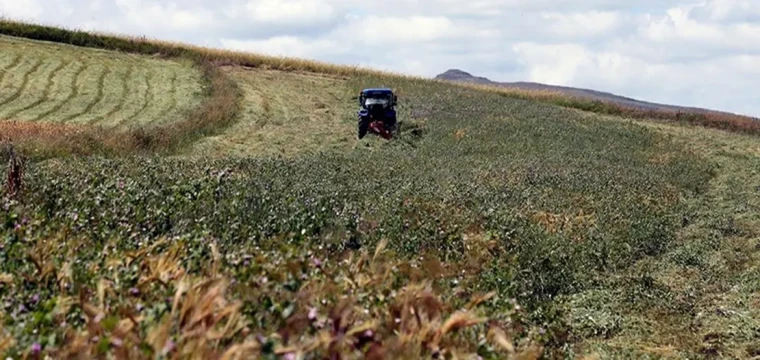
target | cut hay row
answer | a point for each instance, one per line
(144, 90)
(118, 99)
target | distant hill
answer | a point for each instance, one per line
(463, 76)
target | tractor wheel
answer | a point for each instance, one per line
(363, 127)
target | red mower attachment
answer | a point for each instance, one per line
(378, 127)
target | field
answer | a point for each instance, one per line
(65, 84)
(285, 113)
(497, 224)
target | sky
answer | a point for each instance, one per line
(702, 53)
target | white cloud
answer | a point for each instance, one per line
(290, 46)
(582, 24)
(26, 9)
(728, 11)
(690, 52)
(288, 11)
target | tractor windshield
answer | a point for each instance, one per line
(376, 100)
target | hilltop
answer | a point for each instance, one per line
(234, 214)
(457, 75)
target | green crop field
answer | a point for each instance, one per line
(63, 84)
(496, 225)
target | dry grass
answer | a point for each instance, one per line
(43, 140)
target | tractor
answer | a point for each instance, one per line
(378, 113)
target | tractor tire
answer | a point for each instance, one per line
(363, 127)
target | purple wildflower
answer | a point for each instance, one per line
(317, 263)
(134, 291)
(312, 314)
(36, 348)
(116, 342)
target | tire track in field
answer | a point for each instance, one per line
(122, 99)
(98, 95)
(46, 92)
(173, 100)
(74, 92)
(24, 83)
(12, 65)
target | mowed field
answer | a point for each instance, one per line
(286, 113)
(57, 83)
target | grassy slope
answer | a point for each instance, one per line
(286, 114)
(60, 83)
(616, 237)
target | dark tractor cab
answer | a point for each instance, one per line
(377, 105)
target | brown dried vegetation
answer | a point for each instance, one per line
(363, 306)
